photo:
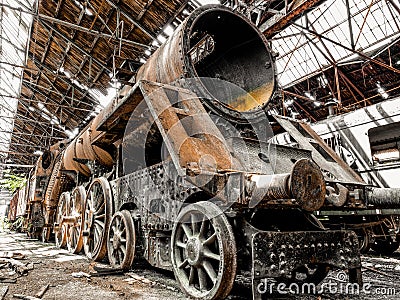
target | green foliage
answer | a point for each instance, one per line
(4, 223)
(17, 224)
(12, 182)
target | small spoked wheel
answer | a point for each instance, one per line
(364, 240)
(121, 240)
(97, 217)
(204, 251)
(61, 231)
(75, 238)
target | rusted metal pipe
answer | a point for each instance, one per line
(305, 184)
(383, 197)
(83, 147)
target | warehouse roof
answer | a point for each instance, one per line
(343, 53)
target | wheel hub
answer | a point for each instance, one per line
(194, 251)
(116, 240)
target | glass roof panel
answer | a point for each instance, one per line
(14, 32)
(372, 24)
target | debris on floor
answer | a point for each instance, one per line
(80, 275)
(9, 264)
(10, 254)
(62, 275)
(3, 291)
(24, 297)
(42, 291)
(11, 269)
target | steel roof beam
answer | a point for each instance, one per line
(275, 26)
(349, 49)
(129, 17)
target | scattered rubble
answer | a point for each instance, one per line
(24, 297)
(42, 291)
(11, 268)
(80, 275)
(10, 254)
(3, 291)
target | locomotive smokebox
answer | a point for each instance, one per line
(214, 46)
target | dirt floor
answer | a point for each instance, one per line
(27, 266)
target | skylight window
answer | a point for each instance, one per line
(303, 54)
(168, 30)
(161, 38)
(72, 134)
(382, 91)
(87, 11)
(309, 95)
(13, 39)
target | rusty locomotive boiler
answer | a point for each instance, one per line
(181, 170)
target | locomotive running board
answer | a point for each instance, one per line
(276, 254)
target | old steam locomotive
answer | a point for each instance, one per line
(180, 169)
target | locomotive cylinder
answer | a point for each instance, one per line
(305, 184)
(383, 197)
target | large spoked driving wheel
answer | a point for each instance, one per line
(61, 229)
(98, 213)
(204, 251)
(75, 238)
(121, 240)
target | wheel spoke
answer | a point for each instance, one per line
(203, 227)
(102, 216)
(120, 255)
(202, 279)
(187, 230)
(181, 244)
(211, 239)
(191, 275)
(210, 271)
(99, 223)
(116, 222)
(194, 223)
(96, 235)
(183, 264)
(90, 201)
(209, 254)
(74, 240)
(101, 207)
